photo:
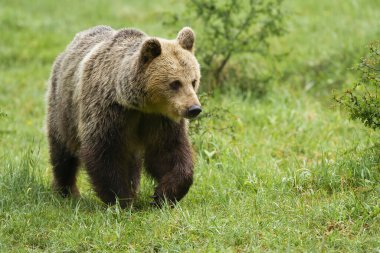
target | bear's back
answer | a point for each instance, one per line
(68, 71)
(64, 78)
(67, 63)
(85, 40)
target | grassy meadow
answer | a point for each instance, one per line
(287, 171)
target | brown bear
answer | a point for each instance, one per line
(118, 100)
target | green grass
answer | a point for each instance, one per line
(287, 172)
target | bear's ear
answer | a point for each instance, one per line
(150, 49)
(186, 38)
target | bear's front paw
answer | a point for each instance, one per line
(160, 200)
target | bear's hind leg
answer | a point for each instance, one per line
(65, 168)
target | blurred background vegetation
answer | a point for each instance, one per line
(280, 164)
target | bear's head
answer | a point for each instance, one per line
(171, 75)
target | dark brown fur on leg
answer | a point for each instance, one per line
(65, 167)
(114, 169)
(113, 176)
(169, 160)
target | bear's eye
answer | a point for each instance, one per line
(175, 85)
(193, 83)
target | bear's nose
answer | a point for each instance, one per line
(194, 111)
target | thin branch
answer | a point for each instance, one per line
(221, 66)
(370, 67)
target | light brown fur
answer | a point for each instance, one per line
(112, 105)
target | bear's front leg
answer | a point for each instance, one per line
(170, 161)
(113, 173)
(114, 168)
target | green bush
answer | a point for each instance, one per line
(227, 29)
(363, 100)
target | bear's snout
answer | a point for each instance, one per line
(193, 111)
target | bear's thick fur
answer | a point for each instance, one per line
(118, 99)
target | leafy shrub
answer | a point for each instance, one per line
(363, 100)
(215, 121)
(230, 28)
